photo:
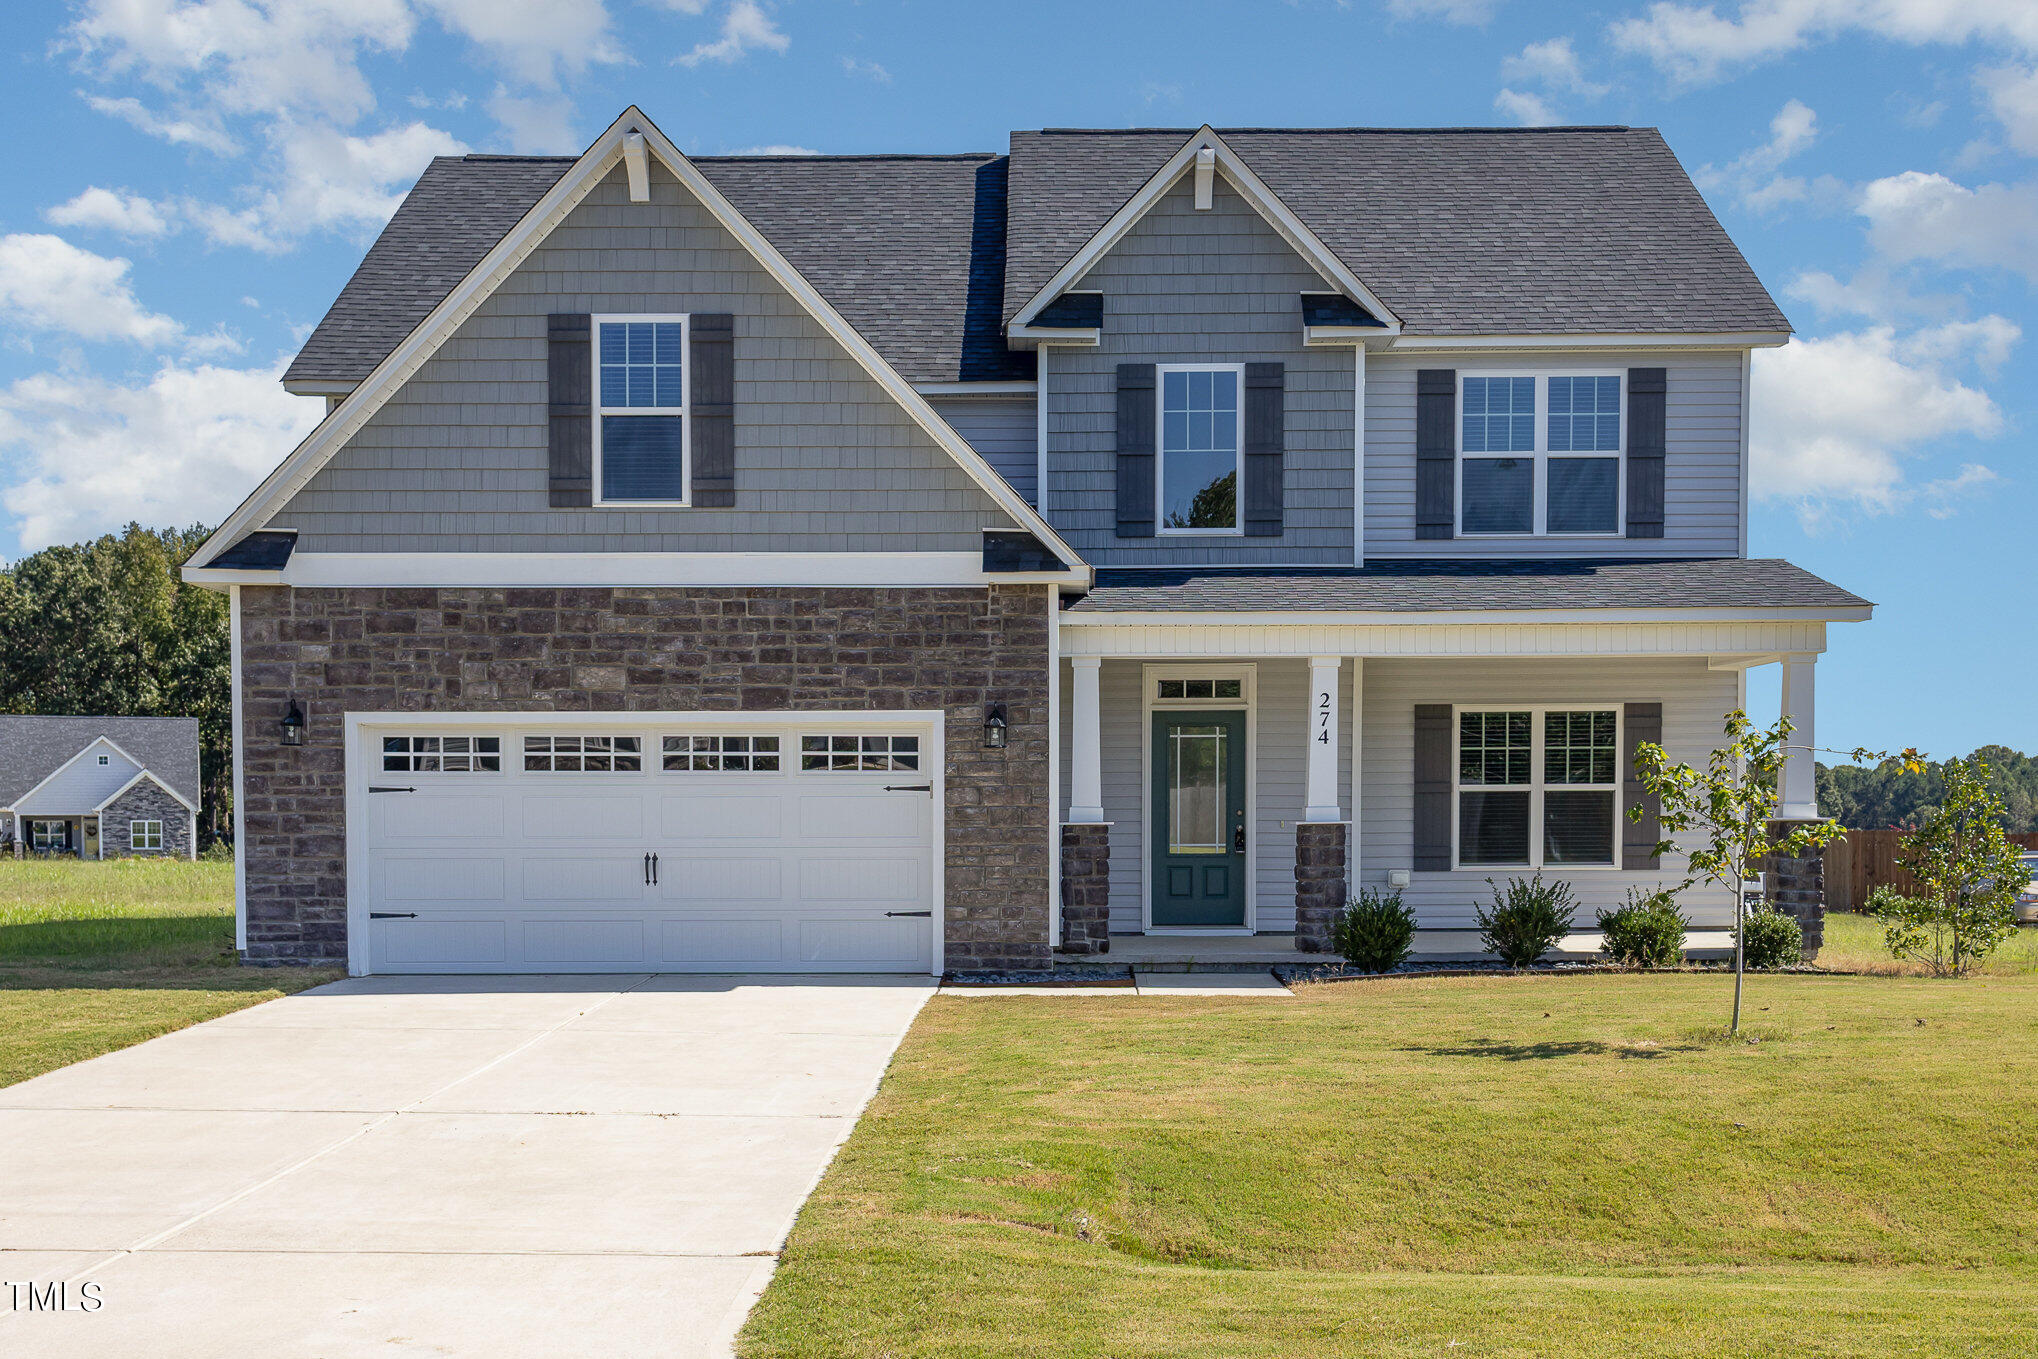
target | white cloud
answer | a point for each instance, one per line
(1753, 177)
(535, 40)
(1530, 110)
(2013, 98)
(535, 124)
(1160, 92)
(1450, 11)
(326, 179)
(181, 447)
(1920, 216)
(48, 284)
(746, 26)
(1835, 418)
(1873, 292)
(856, 66)
(1696, 44)
(124, 214)
(1552, 63)
(774, 149)
(202, 131)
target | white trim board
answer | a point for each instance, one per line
(1707, 642)
(1250, 187)
(346, 419)
(472, 569)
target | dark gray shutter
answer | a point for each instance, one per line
(1135, 450)
(711, 366)
(1436, 453)
(569, 368)
(1266, 416)
(1644, 722)
(1433, 787)
(1647, 389)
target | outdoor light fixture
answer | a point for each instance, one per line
(293, 725)
(994, 727)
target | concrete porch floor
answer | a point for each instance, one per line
(1253, 952)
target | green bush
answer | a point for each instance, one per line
(1529, 917)
(1647, 930)
(1374, 932)
(218, 852)
(1771, 939)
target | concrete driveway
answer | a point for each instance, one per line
(447, 1166)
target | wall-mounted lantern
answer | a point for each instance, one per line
(293, 725)
(994, 727)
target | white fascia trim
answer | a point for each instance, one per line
(1075, 337)
(401, 363)
(471, 569)
(1472, 617)
(320, 387)
(1753, 339)
(1016, 387)
(83, 751)
(141, 774)
(1251, 188)
(1318, 337)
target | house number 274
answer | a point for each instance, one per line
(1323, 719)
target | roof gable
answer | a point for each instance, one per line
(33, 748)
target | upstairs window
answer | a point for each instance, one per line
(1540, 455)
(641, 427)
(1200, 449)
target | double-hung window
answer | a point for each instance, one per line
(1201, 453)
(641, 428)
(1539, 454)
(1538, 787)
(145, 835)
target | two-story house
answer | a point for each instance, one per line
(932, 562)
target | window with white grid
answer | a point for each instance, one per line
(584, 754)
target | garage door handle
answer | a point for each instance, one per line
(654, 870)
(919, 913)
(647, 868)
(909, 788)
(392, 915)
(373, 789)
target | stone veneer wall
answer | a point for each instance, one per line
(1797, 887)
(145, 802)
(1085, 889)
(647, 650)
(1319, 882)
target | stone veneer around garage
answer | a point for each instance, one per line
(647, 650)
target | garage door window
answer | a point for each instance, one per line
(584, 754)
(722, 754)
(442, 754)
(859, 752)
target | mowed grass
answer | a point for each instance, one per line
(1854, 944)
(1506, 1166)
(98, 956)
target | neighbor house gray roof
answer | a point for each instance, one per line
(1442, 586)
(910, 249)
(31, 748)
(1461, 231)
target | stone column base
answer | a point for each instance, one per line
(1086, 889)
(1797, 887)
(1319, 882)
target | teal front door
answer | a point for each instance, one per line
(1199, 818)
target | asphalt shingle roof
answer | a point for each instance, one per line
(1441, 586)
(31, 748)
(1461, 231)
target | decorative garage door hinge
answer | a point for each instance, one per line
(374, 789)
(921, 913)
(392, 915)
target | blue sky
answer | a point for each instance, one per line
(191, 182)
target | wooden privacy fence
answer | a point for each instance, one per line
(1866, 860)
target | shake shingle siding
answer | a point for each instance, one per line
(1002, 429)
(1218, 286)
(457, 460)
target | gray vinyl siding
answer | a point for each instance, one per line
(1280, 734)
(1219, 286)
(1702, 464)
(1002, 429)
(1694, 699)
(457, 459)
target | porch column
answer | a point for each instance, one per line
(1322, 803)
(1799, 792)
(1086, 744)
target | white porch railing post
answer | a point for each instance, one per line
(1799, 792)
(1323, 741)
(1086, 744)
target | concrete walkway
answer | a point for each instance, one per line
(534, 1166)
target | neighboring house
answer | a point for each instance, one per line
(932, 562)
(99, 787)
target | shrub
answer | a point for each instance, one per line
(1968, 874)
(1769, 938)
(218, 852)
(1375, 931)
(1528, 918)
(1647, 930)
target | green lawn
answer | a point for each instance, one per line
(97, 956)
(1505, 1166)
(1854, 944)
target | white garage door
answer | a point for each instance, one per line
(656, 847)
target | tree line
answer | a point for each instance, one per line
(107, 628)
(1897, 795)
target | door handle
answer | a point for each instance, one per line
(654, 870)
(1238, 838)
(647, 868)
